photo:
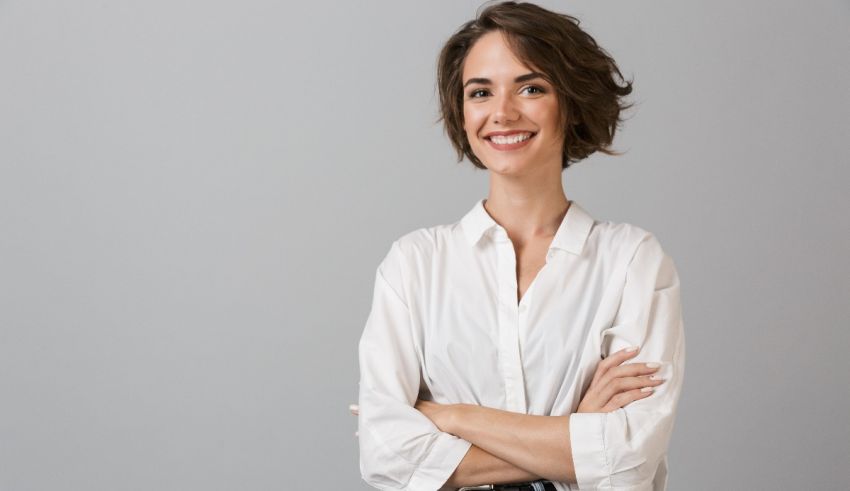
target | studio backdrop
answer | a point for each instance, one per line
(194, 197)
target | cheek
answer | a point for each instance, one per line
(546, 113)
(472, 118)
(472, 113)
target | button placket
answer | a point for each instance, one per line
(509, 324)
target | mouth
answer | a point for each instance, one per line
(510, 142)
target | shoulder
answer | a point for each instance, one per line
(625, 241)
(413, 250)
(621, 238)
(425, 242)
(640, 257)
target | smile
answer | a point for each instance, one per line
(511, 142)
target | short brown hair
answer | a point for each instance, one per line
(569, 58)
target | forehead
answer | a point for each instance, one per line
(491, 57)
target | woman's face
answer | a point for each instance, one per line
(498, 97)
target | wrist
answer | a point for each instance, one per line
(457, 413)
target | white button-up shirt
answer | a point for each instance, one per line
(445, 325)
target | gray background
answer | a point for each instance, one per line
(196, 194)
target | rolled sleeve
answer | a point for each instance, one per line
(400, 448)
(626, 449)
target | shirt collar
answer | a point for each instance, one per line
(571, 234)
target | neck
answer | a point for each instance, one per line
(528, 215)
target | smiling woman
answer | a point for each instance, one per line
(528, 343)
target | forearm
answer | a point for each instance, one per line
(539, 444)
(480, 467)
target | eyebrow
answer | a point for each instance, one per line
(521, 78)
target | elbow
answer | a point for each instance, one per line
(639, 463)
(379, 467)
(643, 463)
(647, 469)
(605, 457)
(380, 474)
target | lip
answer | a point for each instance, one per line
(509, 146)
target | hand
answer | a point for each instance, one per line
(440, 414)
(615, 385)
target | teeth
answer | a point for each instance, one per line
(507, 140)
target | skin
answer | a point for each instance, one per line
(526, 198)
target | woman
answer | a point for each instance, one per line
(480, 359)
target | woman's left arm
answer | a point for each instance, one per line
(539, 444)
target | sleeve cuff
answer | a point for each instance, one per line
(587, 432)
(441, 463)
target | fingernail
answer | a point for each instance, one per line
(653, 365)
(353, 407)
(655, 377)
(647, 389)
(631, 348)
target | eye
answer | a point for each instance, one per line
(538, 89)
(472, 94)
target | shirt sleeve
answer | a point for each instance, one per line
(400, 448)
(623, 449)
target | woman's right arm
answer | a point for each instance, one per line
(479, 467)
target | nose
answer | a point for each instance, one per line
(505, 109)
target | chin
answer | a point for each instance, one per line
(507, 166)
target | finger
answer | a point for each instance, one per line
(625, 384)
(625, 398)
(630, 370)
(614, 360)
(354, 408)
